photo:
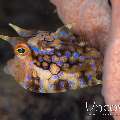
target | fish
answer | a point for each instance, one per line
(53, 62)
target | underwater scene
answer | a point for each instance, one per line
(52, 58)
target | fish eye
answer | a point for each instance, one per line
(21, 50)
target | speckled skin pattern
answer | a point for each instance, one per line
(55, 62)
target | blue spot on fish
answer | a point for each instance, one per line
(55, 77)
(55, 37)
(59, 63)
(71, 83)
(31, 63)
(89, 77)
(67, 54)
(40, 52)
(51, 86)
(28, 77)
(43, 52)
(51, 52)
(42, 90)
(63, 34)
(62, 83)
(40, 59)
(35, 49)
(59, 54)
(53, 59)
(82, 57)
(93, 65)
(60, 74)
(76, 55)
(82, 82)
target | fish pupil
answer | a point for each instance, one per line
(21, 50)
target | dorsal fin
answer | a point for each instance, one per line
(20, 31)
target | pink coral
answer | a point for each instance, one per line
(90, 16)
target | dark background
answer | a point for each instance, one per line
(18, 104)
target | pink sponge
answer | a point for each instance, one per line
(90, 16)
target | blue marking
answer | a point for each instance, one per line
(53, 59)
(51, 86)
(68, 54)
(40, 59)
(55, 36)
(63, 34)
(71, 83)
(93, 65)
(76, 55)
(89, 77)
(72, 38)
(42, 86)
(49, 42)
(59, 54)
(55, 77)
(59, 63)
(51, 52)
(28, 77)
(42, 52)
(35, 49)
(62, 84)
(31, 63)
(60, 74)
(82, 82)
(82, 57)
(47, 52)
